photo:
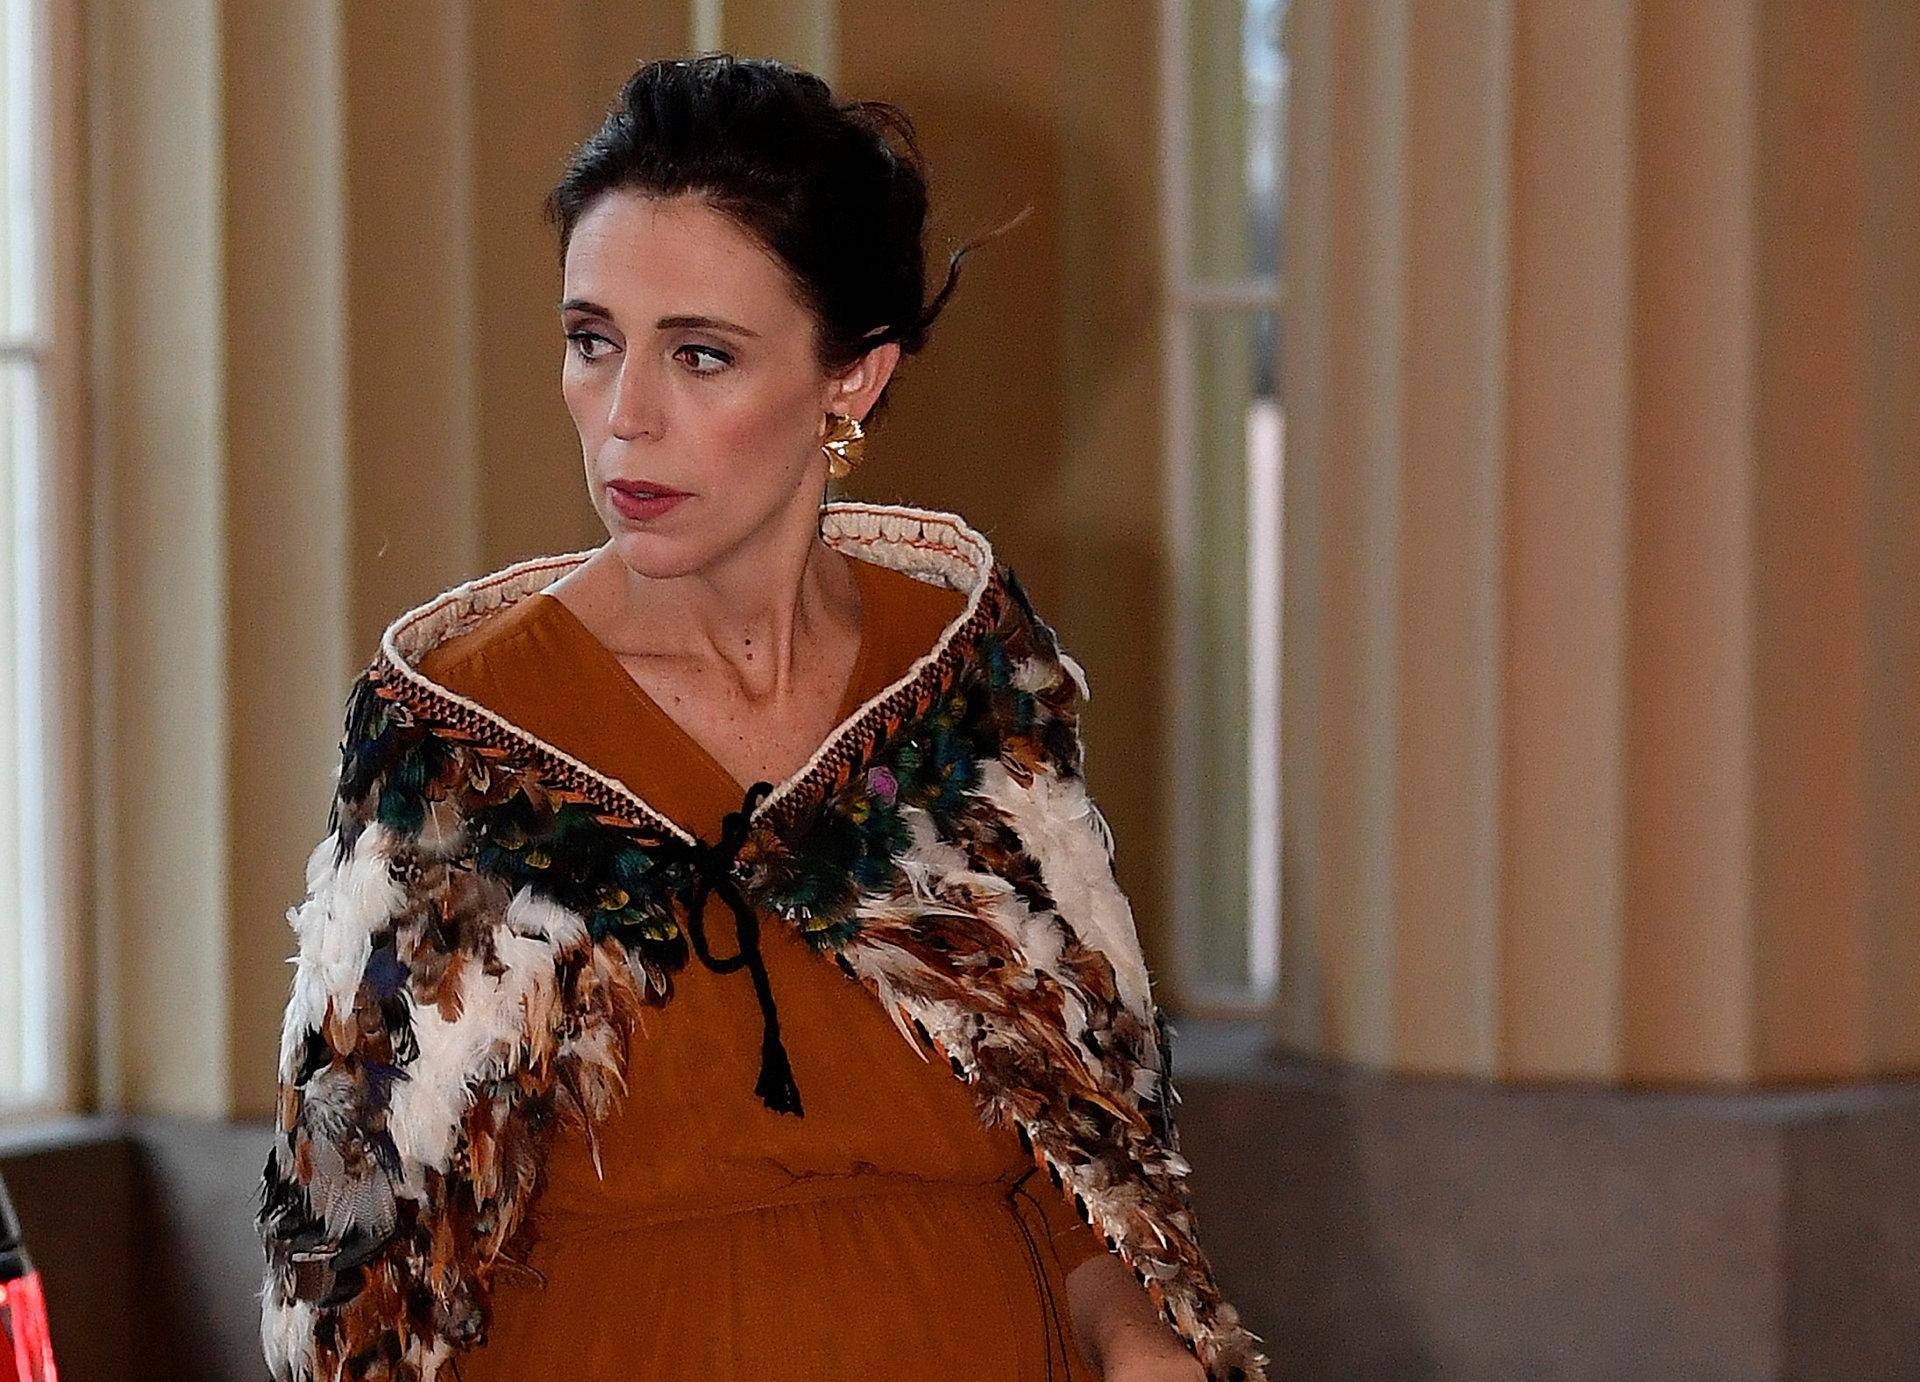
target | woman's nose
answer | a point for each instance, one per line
(632, 411)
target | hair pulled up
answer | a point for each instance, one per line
(836, 191)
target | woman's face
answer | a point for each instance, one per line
(690, 371)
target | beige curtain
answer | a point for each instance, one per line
(1603, 537)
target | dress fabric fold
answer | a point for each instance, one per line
(886, 1232)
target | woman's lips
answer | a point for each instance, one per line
(643, 501)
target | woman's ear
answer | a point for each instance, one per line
(853, 392)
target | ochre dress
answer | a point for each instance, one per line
(887, 1233)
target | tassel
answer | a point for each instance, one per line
(713, 873)
(775, 1086)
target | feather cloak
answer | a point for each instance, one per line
(486, 917)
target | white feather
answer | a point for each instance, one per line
(428, 1105)
(1105, 830)
(928, 858)
(285, 1328)
(306, 1011)
(1035, 674)
(901, 1021)
(530, 914)
(1059, 828)
(345, 905)
(596, 1047)
(876, 960)
(939, 872)
(363, 897)
(1077, 672)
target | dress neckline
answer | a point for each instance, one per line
(932, 545)
(609, 662)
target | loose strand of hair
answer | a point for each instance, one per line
(953, 267)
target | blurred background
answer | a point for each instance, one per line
(1473, 446)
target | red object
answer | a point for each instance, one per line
(26, 1347)
(26, 1344)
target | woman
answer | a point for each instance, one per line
(522, 1135)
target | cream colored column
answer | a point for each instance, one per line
(1600, 541)
(1352, 430)
(1561, 534)
(159, 431)
(282, 555)
(1450, 507)
(1687, 750)
(325, 381)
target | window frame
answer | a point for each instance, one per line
(58, 715)
(1185, 298)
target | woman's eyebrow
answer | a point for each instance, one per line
(665, 323)
(703, 323)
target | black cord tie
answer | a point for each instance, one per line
(1050, 1325)
(713, 874)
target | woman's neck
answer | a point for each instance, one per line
(754, 611)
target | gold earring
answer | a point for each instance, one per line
(843, 442)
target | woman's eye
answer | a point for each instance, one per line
(581, 339)
(719, 355)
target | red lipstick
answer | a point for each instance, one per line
(643, 499)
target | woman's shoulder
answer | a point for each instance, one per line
(898, 595)
(503, 647)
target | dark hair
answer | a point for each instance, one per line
(835, 190)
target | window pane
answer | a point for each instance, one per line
(17, 170)
(1236, 99)
(1235, 458)
(25, 992)
(23, 986)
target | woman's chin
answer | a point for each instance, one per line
(655, 555)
